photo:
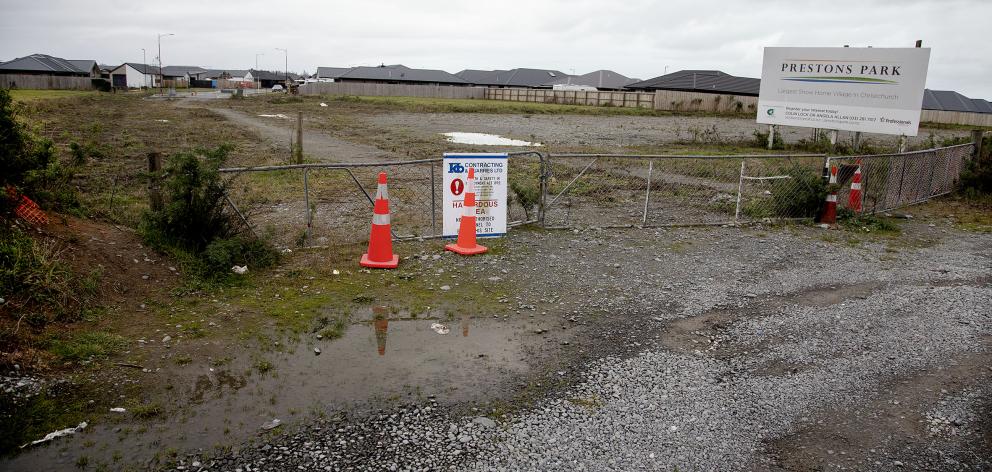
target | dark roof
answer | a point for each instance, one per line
(521, 77)
(43, 63)
(947, 100)
(331, 72)
(710, 81)
(85, 65)
(215, 73)
(143, 68)
(176, 71)
(983, 106)
(400, 73)
(107, 67)
(601, 79)
(481, 77)
(271, 75)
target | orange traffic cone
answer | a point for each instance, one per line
(830, 210)
(466, 245)
(380, 254)
(854, 198)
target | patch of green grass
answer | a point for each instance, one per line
(865, 223)
(263, 366)
(589, 403)
(183, 359)
(25, 95)
(147, 410)
(87, 345)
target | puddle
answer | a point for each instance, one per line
(380, 361)
(277, 115)
(486, 139)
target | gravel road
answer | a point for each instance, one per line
(569, 131)
(727, 349)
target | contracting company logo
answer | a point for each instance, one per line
(771, 112)
(838, 72)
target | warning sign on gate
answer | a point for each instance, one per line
(490, 192)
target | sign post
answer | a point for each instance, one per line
(864, 90)
(491, 171)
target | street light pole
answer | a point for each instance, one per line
(144, 65)
(257, 83)
(286, 53)
(160, 77)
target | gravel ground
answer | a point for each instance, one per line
(608, 131)
(812, 336)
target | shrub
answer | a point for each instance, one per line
(527, 193)
(761, 140)
(30, 166)
(193, 224)
(977, 176)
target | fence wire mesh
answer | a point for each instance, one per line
(891, 181)
(332, 203)
(631, 190)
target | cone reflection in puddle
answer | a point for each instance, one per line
(380, 324)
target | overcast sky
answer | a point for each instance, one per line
(637, 38)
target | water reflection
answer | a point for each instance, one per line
(380, 324)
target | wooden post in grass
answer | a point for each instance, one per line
(154, 187)
(977, 136)
(771, 136)
(298, 152)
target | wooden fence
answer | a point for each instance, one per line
(956, 118)
(45, 82)
(573, 97)
(670, 100)
(392, 90)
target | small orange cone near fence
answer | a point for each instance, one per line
(380, 255)
(830, 210)
(854, 198)
(466, 245)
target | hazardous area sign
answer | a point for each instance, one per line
(490, 192)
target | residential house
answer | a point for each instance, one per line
(598, 80)
(267, 78)
(180, 75)
(702, 81)
(389, 74)
(43, 64)
(134, 75)
(521, 77)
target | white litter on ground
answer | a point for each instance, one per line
(323, 104)
(239, 269)
(336, 272)
(277, 115)
(118, 410)
(57, 434)
(272, 424)
(162, 121)
(440, 328)
(486, 139)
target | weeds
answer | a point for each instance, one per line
(86, 346)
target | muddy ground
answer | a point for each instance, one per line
(203, 369)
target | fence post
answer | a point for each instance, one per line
(977, 136)
(902, 143)
(740, 191)
(154, 188)
(433, 204)
(543, 179)
(771, 136)
(647, 194)
(306, 198)
(298, 152)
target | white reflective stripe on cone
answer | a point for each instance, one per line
(856, 186)
(378, 219)
(381, 192)
(469, 211)
(470, 186)
(832, 197)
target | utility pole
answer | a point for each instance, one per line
(286, 53)
(257, 84)
(160, 78)
(144, 65)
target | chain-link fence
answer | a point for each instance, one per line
(323, 204)
(890, 181)
(659, 190)
(332, 203)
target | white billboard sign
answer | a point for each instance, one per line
(490, 192)
(874, 90)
